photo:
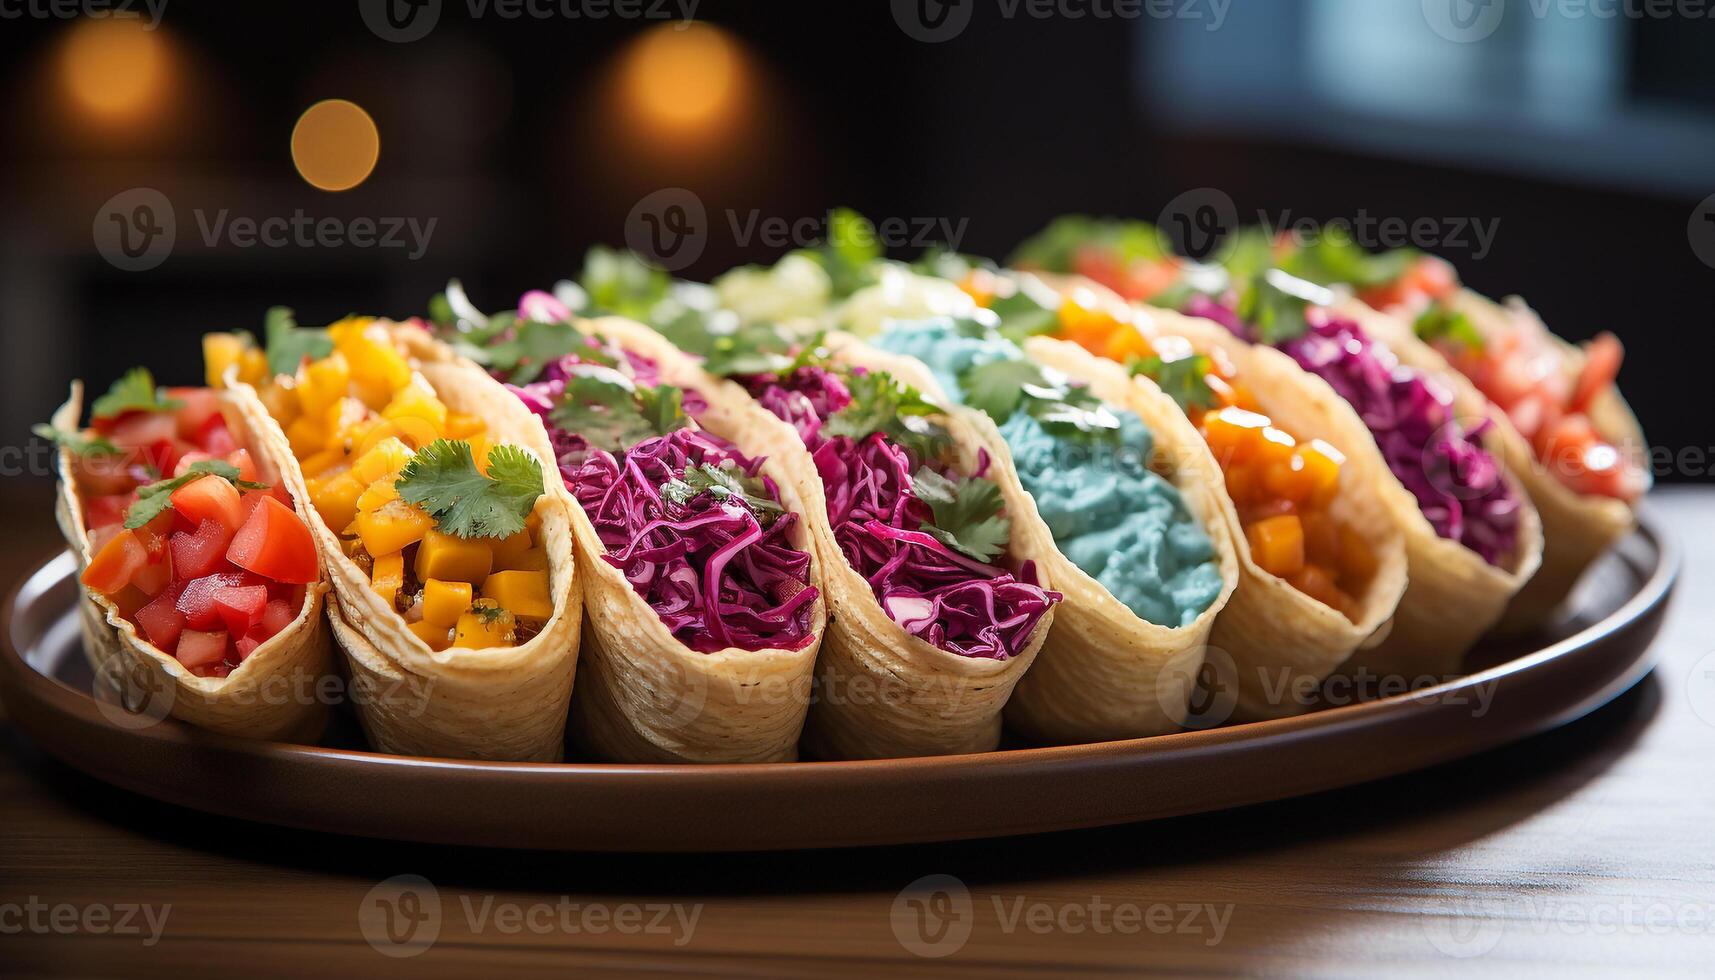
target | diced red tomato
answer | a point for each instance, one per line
(194, 456)
(101, 475)
(128, 600)
(116, 564)
(210, 498)
(1146, 280)
(197, 600)
(161, 620)
(198, 648)
(241, 607)
(1100, 264)
(246, 645)
(216, 438)
(202, 552)
(100, 536)
(1602, 358)
(106, 509)
(153, 578)
(275, 543)
(200, 404)
(276, 616)
(246, 465)
(140, 430)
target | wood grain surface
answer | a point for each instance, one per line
(1589, 850)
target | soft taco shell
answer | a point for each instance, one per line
(274, 694)
(504, 703)
(1576, 528)
(882, 692)
(646, 697)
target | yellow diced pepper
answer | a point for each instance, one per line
(340, 417)
(533, 560)
(524, 593)
(453, 559)
(307, 435)
(445, 602)
(388, 576)
(322, 383)
(336, 499)
(219, 352)
(484, 626)
(436, 636)
(391, 527)
(374, 360)
(378, 494)
(462, 426)
(253, 366)
(417, 400)
(346, 331)
(507, 550)
(387, 457)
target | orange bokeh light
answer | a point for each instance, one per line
(335, 145)
(684, 77)
(114, 67)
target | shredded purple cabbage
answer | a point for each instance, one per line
(1457, 483)
(958, 604)
(710, 569)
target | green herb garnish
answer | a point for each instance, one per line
(1184, 379)
(882, 403)
(1275, 304)
(442, 478)
(1440, 323)
(77, 442)
(611, 413)
(967, 513)
(157, 497)
(1071, 411)
(724, 483)
(135, 392)
(289, 344)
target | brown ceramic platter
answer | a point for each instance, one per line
(1597, 650)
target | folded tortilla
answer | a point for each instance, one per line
(502, 703)
(645, 696)
(1576, 528)
(1454, 596)
(276, 693)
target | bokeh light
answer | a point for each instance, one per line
(335, 145)
(684, 77)
(114, 68)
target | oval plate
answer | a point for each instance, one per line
(1593, 654)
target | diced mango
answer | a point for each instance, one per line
(486, 625)
(1322, 463)
(533, 560)
(1276, 446)
(506, 550)
(219, 352)
(378, 495)
(391, 527)
(323, 463)
(345, 331)
(1357, 559)
(280, 397)
(524, 593)
(386, 457)
(339, 418)
(453, 559)
(462, 426)
(322, 383)
(445, 602)
(336, 499)
(308, 435)
(374, 361)
(1277, 545)
(253, 366)
(388, 577)
(434, 635)
(1233, 434)
(417, 400)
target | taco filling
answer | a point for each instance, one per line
(1086, 465)
(207, 562)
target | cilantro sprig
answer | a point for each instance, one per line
(135, 392)
(157, 497)
(77, 442)
(1275, 303)
(1004, 388)
(1185, 379)
(966, 511)
(1441, 323)
(882, 403)
(442, 478)
(288, 344)
(744, 350)
(611, 413)
(1335, 258)
(725, 483)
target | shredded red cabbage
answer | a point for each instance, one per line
(958, 604)
(710, 568)
(1457, 483)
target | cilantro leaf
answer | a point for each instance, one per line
(724, 483)
(850, 251)
(1275, 304)
(157, 497)
(1023, 315)
(1003, 388)
(442, 478)
(998, 386)
(1335, 258)
(622, 283)
(882, 403)
(745, 350)
(288, 344)
(1184, 379)
(533, 346)
(1055, 248)
(1441, 323)
(77, 442)
(135, 392)
(967, 513)
(611, 413)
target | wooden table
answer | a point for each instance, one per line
(1587, 850)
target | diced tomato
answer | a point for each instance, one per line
(161, 620)
(194, 456)
(276, 616)
(152, 579)
(163, 456)
(1433, 277)
(1602, 358)
(1100, 264)
(101, 475)
(202, 552)
(275, 543)
(128, 600)
(106, 509)
(216, 438)
(246, 645)
(140, 430)
(198, 648)
(116, 564)
(197, 600)
(246, 465)
(1145, 280)
(200, 404)
(240, 607)
(210, 498)
(100, 536)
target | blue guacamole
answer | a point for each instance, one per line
(1113, 517)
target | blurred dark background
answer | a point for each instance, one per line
(1586, 142)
